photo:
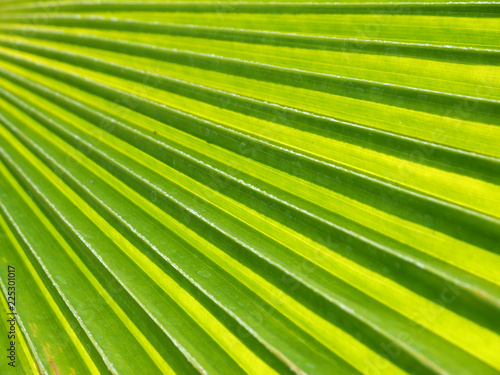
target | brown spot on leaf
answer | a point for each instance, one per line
(54, 367)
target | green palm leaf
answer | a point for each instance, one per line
(250, 187)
